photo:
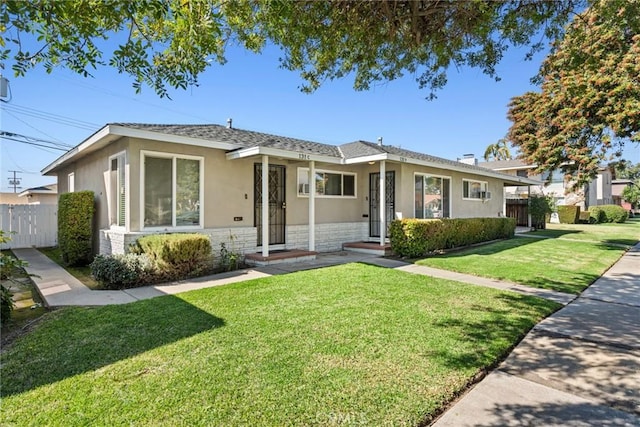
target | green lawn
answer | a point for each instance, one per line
(572, 259)
(624, 234)
(352, 344)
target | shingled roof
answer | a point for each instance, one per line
(242, 138)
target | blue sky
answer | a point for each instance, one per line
(469, 114)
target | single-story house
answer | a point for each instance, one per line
(43, 195)
(264, 193)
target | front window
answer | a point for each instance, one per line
(172, 190)
(328, 183)
(431, 196)
(475, 190)
(71, 182)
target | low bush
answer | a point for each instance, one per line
(540, 208)
(122, 271)
(568, 214)
(417, 237)
(177, 256)
(584, 217)
(608, 213)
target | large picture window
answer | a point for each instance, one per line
(117, 190)
(172, 190)
(328, 183)
(475, 190)
(432, 196)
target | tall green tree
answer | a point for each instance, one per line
(498, 151)
(589, 103)
(165, 43)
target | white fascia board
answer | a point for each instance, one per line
(511, 179)
(110, 133)
(284, 154)
(367, 159)
(99, 136)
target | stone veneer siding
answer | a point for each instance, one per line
(329, 237)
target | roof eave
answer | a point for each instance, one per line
(284, 154)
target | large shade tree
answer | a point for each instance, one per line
(168, 43)
(589, 104)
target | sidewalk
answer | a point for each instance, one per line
(578, 367)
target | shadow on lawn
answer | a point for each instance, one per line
(503, 327)
(78, 340)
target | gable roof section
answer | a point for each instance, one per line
(243, 143)
(512, 164)
(361, 151)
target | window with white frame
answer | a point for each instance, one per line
(328, 183)
(432, 196)
(71, 182)
(117, 190)
(172, 190)
(475, 190)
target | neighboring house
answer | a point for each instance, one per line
(267, 192)
(44, 195)
(597, 192)
(617, 187)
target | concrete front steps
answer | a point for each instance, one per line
(280, 257)
(370, 248)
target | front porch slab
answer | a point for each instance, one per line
(371, 248)
(279, 257)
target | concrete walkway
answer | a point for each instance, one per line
(578, 367)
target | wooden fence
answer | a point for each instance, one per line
(29, 225)
(518, 209)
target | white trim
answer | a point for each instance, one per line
(423, 174)
(324, 196)
(311, 173)
(476, 199)
(127, 216)
(174, 157)
(284, 154)
(112, 132)
(71, 182)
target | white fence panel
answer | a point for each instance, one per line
(29, 225)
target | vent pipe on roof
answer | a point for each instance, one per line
(379, 140)
(230, 123)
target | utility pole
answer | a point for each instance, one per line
(15, 181)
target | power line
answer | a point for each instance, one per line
(31, 126)
(56, 118)
(35, 139)
(32, 143)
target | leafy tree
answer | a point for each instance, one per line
(170, 42)
(589, 103)
(631, 194)
(497, 151)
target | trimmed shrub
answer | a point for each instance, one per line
(540, 208)
(75, 230)
(417, 237)
(122, 271)
(608, 213)
(177, 256)
(584, 217)
(568, 214)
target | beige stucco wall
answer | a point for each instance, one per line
(229, 192)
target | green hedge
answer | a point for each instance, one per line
(122, 271)
(585, 217)
(414, 238)
(608, 213)
(75, 228)
(568, 214)
(177, 256)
